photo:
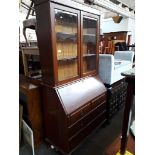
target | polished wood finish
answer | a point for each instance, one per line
(75, 106)
(44, 37)
(96, 34)
(70, 4)
(29, 98)
(72, 111)
(68, 61)
(48, 49)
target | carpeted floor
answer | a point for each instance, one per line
(95, 144)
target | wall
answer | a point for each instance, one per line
(131, 29)
(109, 25)
(127, 24)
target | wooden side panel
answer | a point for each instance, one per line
(30, 98)
(55, 119)
(44, 37)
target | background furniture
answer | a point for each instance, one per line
(120, 35)
(30, 99)
(116, 97)
(28, 23)
(111, 39)
(110, 67)
(112, 46)
(31, 62)
(130, 79)
(126, 142)
(124, 55)
(74, 97)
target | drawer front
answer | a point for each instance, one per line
(74, 117)
(85, 120)
(72, 130)
(94, 113)
(95, 123)
(97, 101)
(84, 127)
(86, 109)
(101, 108)
(76, 140)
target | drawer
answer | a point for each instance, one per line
(97, 101)
(94, 113)
(74, 117)
(87, 129)
(95, 123)
(85, 119)
(75, 141)
(101, 108)
(86, 109)
(72, 130)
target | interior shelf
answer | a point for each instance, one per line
(89, 55)
(89, 38)
(87, 34)
(67, 58)
(63, 36)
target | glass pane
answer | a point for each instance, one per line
(89, 44)
(66, 44)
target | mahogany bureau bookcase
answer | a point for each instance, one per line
(74, 97)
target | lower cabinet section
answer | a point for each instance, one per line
(83, 128)
(70, 118)
(87, 120)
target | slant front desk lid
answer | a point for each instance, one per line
(78, 93)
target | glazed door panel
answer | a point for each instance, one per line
(89, 38)
(67, 43)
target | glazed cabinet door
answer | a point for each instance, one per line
(67, 32)
(89, 43)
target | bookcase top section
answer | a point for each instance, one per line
(72, 4)
(80, 92)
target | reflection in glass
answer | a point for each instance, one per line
(66, 44)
